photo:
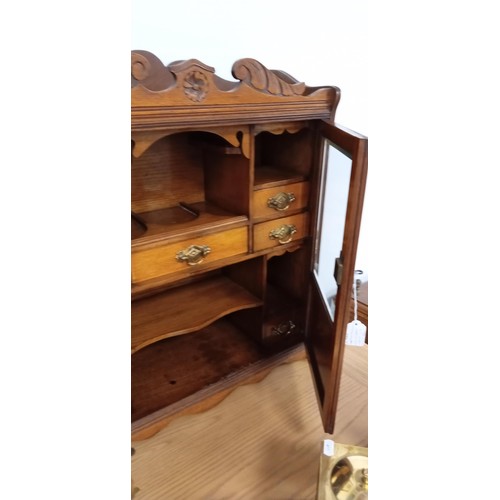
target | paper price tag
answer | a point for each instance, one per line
(328, 447)
(356, 333)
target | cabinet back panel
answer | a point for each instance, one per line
(288, 151)
(290, 272)
(227, 181)
(250, 274)
(169, 172)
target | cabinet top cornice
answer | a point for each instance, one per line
(188, 93)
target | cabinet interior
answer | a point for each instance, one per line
(201, 326)
(282, 158)
(188, 181)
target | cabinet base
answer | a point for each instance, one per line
(209, 396)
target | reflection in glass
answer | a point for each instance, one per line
(335, 191)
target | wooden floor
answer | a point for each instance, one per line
(262, 442)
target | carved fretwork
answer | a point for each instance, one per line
(280, 128)
(236, 136)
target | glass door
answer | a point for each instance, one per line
(340, 191)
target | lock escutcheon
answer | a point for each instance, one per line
(284, 329)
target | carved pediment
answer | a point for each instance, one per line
(164, 96)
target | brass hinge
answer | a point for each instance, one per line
(339, 270)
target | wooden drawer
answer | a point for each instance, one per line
(261, 232)
(299, 192)
(161, 261)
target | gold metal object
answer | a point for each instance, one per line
(284, 329)
(283, 233)
(364, 478)
(194, 254)
(344, 476)
(339, 270)
(281, 201)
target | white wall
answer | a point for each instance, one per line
(322, 42)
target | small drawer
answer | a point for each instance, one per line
(280, 231)
(187, 254)
(277, 201)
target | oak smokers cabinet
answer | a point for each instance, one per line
(246, 207)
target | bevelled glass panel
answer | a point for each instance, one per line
(331, 220)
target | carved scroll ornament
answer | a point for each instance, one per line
(256, 75)
(150, 72)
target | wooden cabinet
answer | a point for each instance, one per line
(246, 202)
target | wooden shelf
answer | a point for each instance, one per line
(186, 309)
(176, 368)
(267, 176)
(180, 222)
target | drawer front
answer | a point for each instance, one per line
(277, 201)
(280, 231)
(188, 254)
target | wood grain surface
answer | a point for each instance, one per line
(185, 312)
(262, 442)
(300, 191)
(161, 261)
(261, 239)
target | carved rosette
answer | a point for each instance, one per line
(256, 75)
(196, 86)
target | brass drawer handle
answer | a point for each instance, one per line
(193, 255)
(281, 201)
(283, 329)
(283, 234)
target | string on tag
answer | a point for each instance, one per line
(355, 291)
(356, 331)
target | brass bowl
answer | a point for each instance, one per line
(344, 475)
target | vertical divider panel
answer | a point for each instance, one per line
(251, 181)
(251, 274)
(227, 178)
